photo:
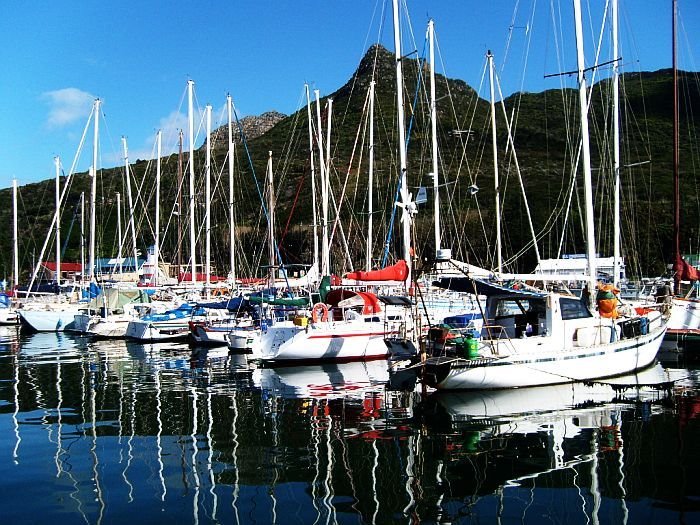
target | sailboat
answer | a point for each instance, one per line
(684, 322)
(351, 325)
(346, 326)
(8, 313)
(59, 315)
(535, 338)
(116, 307)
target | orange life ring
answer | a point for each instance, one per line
(324, 312)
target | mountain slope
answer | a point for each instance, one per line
(546, 142)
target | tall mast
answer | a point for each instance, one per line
(313, 176)
(93, 192)
(370, 182)
(433, 128)
(232, 221)
(180, 177)
(130, 203)
(156, 251)
(271, 214)
(327, 184)
(207, 201)
(586, 155)
(325, 252)
(616, 147)
(15, 237)
(329, 119)
(193, 237)
(676, 173)
(119, 231)
(499, 255)
(406, 222)
(57, 162)
(82, 237)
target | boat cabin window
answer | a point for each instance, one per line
(518, 316)
(507, 307)
(511, 307)
(573, 309)
(351, 315)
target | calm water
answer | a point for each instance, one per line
(112, 432)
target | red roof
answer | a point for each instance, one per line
(65, 266)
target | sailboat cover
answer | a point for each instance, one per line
(397, 272)
(684, 271)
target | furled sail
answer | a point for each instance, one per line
(685, 271)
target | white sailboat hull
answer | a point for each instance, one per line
(49, 320)
(216, 333)
(209, 336)
(548, 364)
(326, 341)
(685, 317)
(111, 327)
(245, 341)
(174, 330)
(8, 316)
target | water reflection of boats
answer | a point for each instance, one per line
(324, 381)
(119, 428)
(489, 445)
(651, 384)
(351, 434)
(353, 396)
(47, 345)
(204, 354)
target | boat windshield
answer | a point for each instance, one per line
(573, 308)
(517, 306)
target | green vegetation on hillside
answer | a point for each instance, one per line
(546, 139)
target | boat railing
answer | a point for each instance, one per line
(492, 334)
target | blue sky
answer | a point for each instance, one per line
(58, 56)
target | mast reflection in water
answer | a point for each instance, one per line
(110, 432)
